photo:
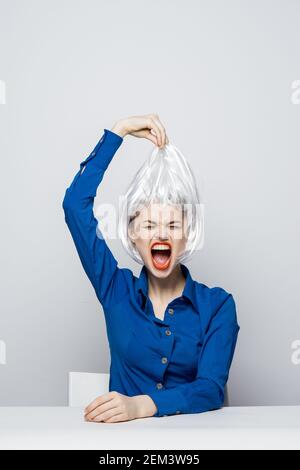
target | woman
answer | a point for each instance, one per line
(171, 338)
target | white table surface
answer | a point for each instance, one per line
(262, 427)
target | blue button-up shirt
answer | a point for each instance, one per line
(182, 362)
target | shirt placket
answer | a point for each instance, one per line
(167, 338)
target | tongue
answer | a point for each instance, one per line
(161, 258)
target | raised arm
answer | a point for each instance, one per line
(108, 280)
(98, 262)
(206, 392)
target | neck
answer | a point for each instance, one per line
(171, 286)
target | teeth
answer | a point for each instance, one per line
(160, 247)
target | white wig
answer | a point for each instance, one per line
(165, 178)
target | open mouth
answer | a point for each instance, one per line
(161, 254)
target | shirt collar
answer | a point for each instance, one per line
(189, 291)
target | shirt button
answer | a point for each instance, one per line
(177, 412)
(93, 153)
(171, 311)
(164, 360)
(159, 385)
(168, 332)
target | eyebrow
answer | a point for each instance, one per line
(172, 221)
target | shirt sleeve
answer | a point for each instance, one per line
(206, 392)
(98, 262)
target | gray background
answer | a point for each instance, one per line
(220, 76)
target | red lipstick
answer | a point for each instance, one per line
(161, 259)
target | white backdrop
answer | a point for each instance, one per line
(224, 78)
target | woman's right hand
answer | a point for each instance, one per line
(147, 126)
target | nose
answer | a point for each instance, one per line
(162, 233)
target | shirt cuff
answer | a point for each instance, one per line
(109, 144)
(168, 402)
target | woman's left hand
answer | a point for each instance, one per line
(113, 407)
